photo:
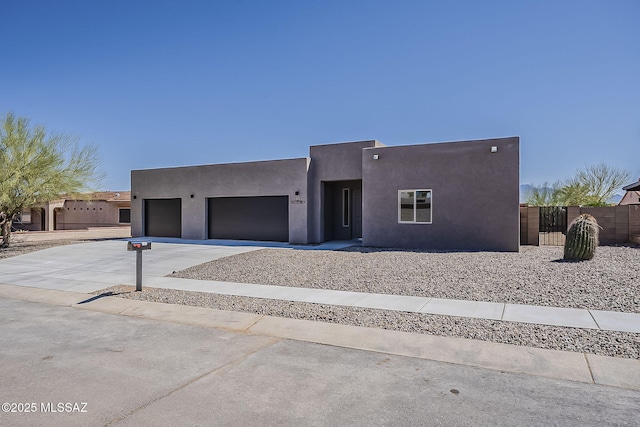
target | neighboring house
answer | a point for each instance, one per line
(450, 196)
(632, 195)
(100, 209)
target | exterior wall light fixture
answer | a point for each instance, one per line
(494, 148)
(376, 157)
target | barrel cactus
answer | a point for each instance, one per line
(582, 238)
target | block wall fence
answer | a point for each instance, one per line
(620, 224)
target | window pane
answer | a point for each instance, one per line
(423, 206)
(124, 216)
(345, 207)
(406, 205)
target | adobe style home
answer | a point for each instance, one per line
(448, 196)
(98, 209)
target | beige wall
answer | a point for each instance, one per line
(530, 226)
(614, 221)
(634, 219)
(74, 215)
(36, 220)
(630, 198)
(618, 223)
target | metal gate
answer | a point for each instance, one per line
(553, 225)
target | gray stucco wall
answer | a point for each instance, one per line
(268, 178)
(331, 162)
(475, 202)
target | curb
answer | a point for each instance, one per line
(555, 364)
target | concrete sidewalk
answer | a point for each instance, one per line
(89, 267)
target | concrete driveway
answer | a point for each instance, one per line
(141, 372)
(89, 233)
(88, 267)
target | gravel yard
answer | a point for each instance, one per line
(535, 276)
(611, 281)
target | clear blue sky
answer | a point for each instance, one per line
(171, 83)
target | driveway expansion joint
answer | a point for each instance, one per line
(594, 319)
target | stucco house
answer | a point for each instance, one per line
(632, 195)
(98, 209)
(450, 196)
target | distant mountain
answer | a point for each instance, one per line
(524, 190)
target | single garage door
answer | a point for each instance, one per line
(249, 218)
(163, 217)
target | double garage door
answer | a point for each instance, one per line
(249, 218)
(263, 218)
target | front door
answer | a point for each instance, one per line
(356, 213)
(342, 210)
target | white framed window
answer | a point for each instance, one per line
(415, 206)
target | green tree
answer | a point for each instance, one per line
(573, 194)
(592, 186)
(602, 182)
(544, 196)
(37, 166)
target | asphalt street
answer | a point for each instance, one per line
(79, 367)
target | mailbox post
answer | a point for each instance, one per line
(138, 246)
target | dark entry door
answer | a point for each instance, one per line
(356, 204)
(163, 217)
(342, 210)
(263, 218)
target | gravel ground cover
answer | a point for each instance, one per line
(535, 276)
(607, 343)
(608, 282)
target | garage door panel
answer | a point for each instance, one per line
(263, 218)
(163, 217)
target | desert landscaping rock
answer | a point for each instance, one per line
(536, 275)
